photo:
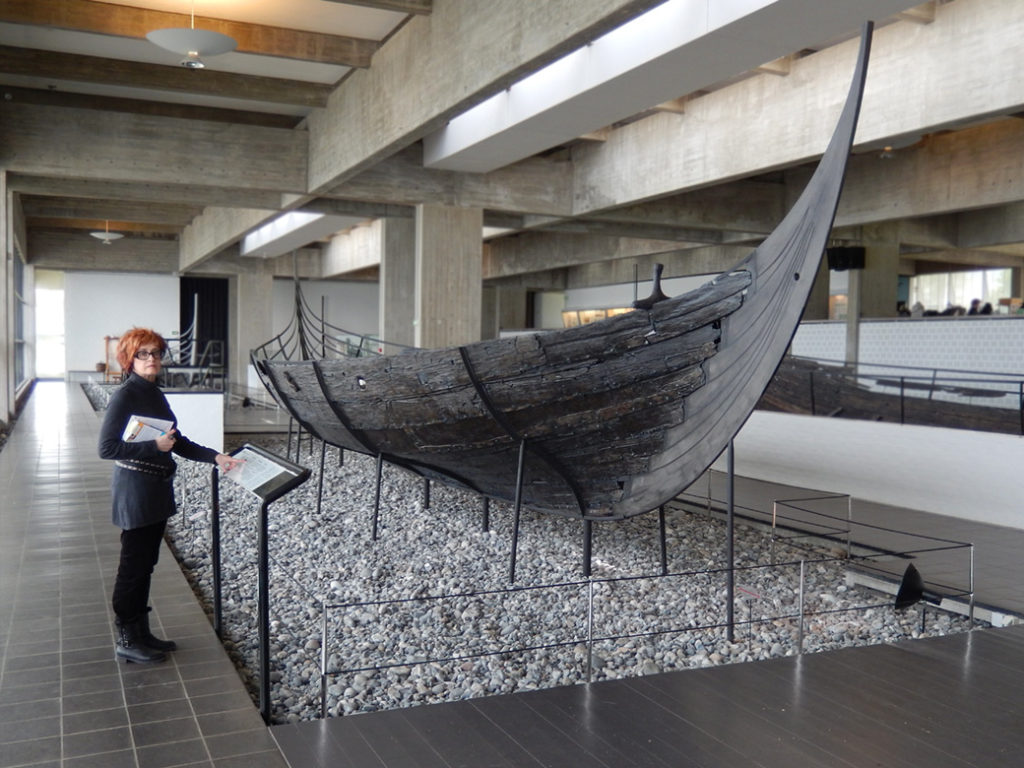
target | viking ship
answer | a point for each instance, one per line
(602, 421)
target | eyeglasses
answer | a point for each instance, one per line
(145, 354)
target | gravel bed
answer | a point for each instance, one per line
(427, 649)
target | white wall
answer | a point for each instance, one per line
(989, 344)
(108, 304)
(621, 294)
(955, 472)
(350, 305)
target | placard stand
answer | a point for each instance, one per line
(269, 477)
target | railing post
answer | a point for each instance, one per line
(320, 484)
(323, 661)
(849, 527)
(661, 536)
(971, 608)
(518, 507)
(264, 614)
(800, 611)
(590, 632)
(215, 550)
(376, 496)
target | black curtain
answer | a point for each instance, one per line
(212, 295)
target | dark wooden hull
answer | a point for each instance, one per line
(804, 387)
(612, 419)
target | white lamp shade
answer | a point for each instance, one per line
(186, 40)
(106, 237)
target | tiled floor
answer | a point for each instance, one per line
(64, 701)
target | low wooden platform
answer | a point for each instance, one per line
(953, 701)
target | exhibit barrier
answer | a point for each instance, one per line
(600, 618)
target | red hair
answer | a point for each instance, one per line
(130, 342)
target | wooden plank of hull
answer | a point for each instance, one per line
(618, 416)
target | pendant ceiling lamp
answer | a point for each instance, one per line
(106, 235)
(192, 43)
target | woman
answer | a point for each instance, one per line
(142, 488)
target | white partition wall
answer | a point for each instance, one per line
(107, 304)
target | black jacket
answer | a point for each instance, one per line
(142, 485)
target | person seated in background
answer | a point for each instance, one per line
(975, 305)
(986, 308)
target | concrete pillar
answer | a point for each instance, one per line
(880, 279)
(490, 324)
(512, 303)
(817, 301)
(853, 301)
(449, 250)
(250, 317)
(1017, 282)
(396, 319)
(872, 291)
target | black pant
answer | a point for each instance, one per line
(140, 550)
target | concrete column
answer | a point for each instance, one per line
(448, 275)
(490, 324)
(817, 301)
(872, 290)
(250, 317)
(1017, 282)
(396, 319)
(880, 279)
(512, 301)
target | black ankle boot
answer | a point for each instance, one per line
(148, 639)
(130, 646)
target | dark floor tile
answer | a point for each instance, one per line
(147, 694)
(174, 754)
(203, 669)
(90, 669)
(96, 720)
(13, 713)
(227, 722)
(86, 702)
(159, 710)
(220, 702)
(83, 655)
(43, 645)
(38, 661)
(209, 685)
(40, 676)
(37, 728)
(94, 742)
(240, 743)
(138, 675)
(165, 731)
(123, 759)
(92, 684)
(13, 694)
(31, 752)
(255, 760)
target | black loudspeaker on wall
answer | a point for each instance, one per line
(845, 257)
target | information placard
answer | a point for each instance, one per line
(265, 474)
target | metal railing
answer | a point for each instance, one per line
(601, 613)
(905, 394)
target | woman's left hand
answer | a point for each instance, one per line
(227, 463)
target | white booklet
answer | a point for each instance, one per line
(143, 428)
